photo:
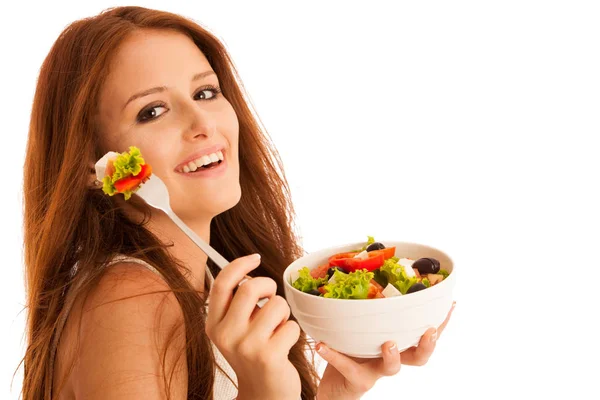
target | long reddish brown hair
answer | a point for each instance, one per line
(66, 224)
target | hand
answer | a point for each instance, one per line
(349, 378)
(254, 341)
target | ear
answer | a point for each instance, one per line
(93, 182)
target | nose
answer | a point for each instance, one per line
(199, 123)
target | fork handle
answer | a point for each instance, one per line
(208, 250)
(205, 247)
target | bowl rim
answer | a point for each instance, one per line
(448, 281)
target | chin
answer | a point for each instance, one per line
(227, 203)
(210, 207)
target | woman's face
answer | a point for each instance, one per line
(163, 97)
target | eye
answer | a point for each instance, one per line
(151, 113)
(207, 93)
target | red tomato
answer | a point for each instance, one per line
(377, 285)
(322, 289)
(387, 253)
(338, 260)
(133, 181)
(374, 292)
(348, 262)
(373, 262)
(319, 272)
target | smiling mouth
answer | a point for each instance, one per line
(203, 163)
(212, 165)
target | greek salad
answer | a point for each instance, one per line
(369, 273)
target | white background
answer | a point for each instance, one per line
(466, 125)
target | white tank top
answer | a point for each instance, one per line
(223, 388)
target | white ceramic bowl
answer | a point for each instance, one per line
(358, 328)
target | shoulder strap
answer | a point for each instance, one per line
(122, 258)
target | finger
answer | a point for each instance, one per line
(265, 321)
(244, 300)
(419, 355)
(285, 336)
(221, 292)
(443, 325)
(390, 362)
(361, 377)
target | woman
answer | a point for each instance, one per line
(116, 293)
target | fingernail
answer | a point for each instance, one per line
(321, 349)
(256, 256)
(393, 348)
(433, 337)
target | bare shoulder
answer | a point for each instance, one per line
(129, 321)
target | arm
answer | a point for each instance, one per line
(122, 342)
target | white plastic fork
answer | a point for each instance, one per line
(155, 193)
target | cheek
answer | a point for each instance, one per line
(231, 128)
(159, 154)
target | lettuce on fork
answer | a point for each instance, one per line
(306, 282)
(354, 285)
(395, 275)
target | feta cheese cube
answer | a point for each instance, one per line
(362, 255)
(391, 291)
(407, 262)
(409, 271)
(101, 164)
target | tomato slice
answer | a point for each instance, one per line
(127, 183)
(373, 262)
(320, 271)
(374, 291)
(377, 285)
(387, 253)
(338, 260)
(352, 264)
(131, 182)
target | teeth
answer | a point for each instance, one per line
(204, 160)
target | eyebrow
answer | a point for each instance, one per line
(159, 89)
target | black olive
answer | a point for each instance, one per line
(331, 270)
(416, 287)
(427, 265)
(315, 292)
(375, 246)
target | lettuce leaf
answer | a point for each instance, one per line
(444, 273)
(306, 282)
(126, 164)
(354, 285)
(426, 282)
(395, 275)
